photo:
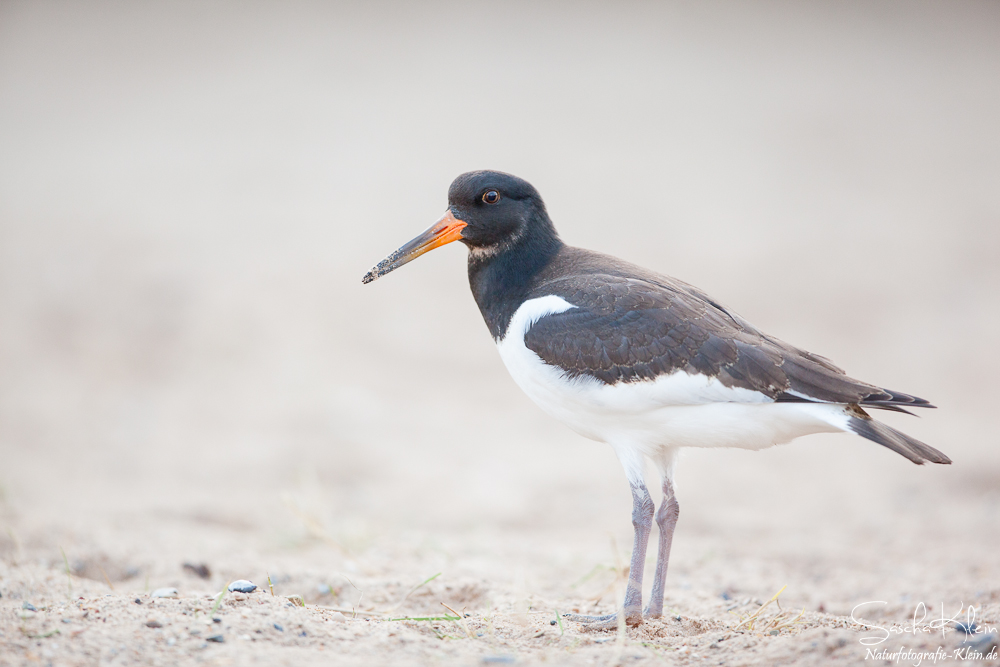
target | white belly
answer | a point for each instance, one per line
(677, 410)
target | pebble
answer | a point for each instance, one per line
(338, 617)
(242, 586)
(153, 623)
(966, 628)
(498, 659)
(164, 593)
(218, 639)
(324, 589)
(198, 569)
(552, 622)
(278, 627)
(27, 605)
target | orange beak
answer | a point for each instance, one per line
(442, 232)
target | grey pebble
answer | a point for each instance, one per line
(498, 659)
(278, 627)
(27, 605)
(164, 593)
(966, 628)
(216, 620)
(218, 639)
(242, 586)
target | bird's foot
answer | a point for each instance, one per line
(633, 617)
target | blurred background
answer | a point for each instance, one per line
(190, 194)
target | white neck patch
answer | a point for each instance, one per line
(530, 312)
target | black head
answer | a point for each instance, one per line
(489, 211)
(497, 208)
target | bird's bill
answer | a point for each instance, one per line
(444, 231)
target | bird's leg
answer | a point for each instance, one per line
(666, 519)
(642, 523)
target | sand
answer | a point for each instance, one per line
(192, 372)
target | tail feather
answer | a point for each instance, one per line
(887, 399)
(898, 442)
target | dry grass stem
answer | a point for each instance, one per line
(461, 621)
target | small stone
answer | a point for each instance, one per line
(498, 659)
(137, 601)
(217, 620)
(296, 600)
(153, 623)
(277, 626)
(303, 634)
(338, 617)
(552, 622)
(27, 605)
(242, 586)
(165, 593)
(218, 639)
(324, 589)
(773, 633)
(198, 569)
(67, 620)
(967, 628)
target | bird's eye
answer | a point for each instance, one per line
(491, 197)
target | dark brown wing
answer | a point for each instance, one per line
(626, 329)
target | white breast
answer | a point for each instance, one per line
(676, 410)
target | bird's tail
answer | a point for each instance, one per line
(861, 423)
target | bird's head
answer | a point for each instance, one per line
(488, 211)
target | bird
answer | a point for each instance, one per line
(643, 362)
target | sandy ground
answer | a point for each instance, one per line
(191, 371)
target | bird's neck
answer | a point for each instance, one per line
(502, 280)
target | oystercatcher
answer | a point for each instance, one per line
(645, 363)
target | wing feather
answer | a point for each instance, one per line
(629, 329)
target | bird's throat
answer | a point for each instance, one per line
(502, 279)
